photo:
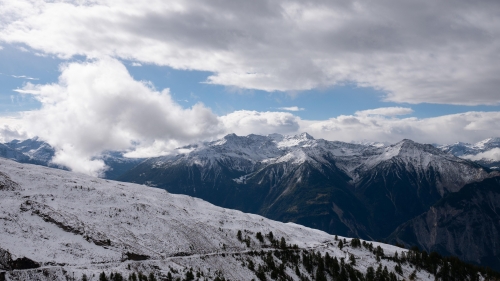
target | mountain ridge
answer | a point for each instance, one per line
(59, 225)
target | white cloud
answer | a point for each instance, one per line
(24, 77)
(490, 155)
(98, 106)
(467, 127)
(386, 111)
(415, 51)
(292, 108)
(244, 122)
(85, 114)
(136, 64)
(11, 128)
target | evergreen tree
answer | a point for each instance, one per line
(352, 259)
(189, 275)
(341, 245)
(117, 277)
(270, 236)
(370, 274)
(398, 269)
(259, 237)
(103, 277)
(84, 277)
(283, 243)
(413, 275)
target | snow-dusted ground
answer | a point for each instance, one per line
(74, 224)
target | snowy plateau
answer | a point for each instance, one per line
(66, 225)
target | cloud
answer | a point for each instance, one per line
(136, 64)
(11, 128)
(386, 111)
(490, 155)
(98, 106)
(24, 77)
(245, 122)
(292, 108)
(467, 127)
(414, 51)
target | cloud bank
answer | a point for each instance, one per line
(490, 155)
(97, 106)
(414, 51)
(468, 127)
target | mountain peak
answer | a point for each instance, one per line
(230, 136)
(304, 135)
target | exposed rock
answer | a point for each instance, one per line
(6, 183)
(464, 224)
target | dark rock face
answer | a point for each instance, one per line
(6, 262)
(464, 224)
(6, 183)
(136, 257)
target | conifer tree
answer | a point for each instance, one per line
(103, 277)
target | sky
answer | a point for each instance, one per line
(149, 76)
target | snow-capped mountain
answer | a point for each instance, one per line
(354, 189)
(58, 225)
(485, 152)
(34, 148)
(36, 151)
(9, 153)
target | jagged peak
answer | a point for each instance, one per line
(276, 137)
(486, 142)
(304, 135)
(230, 136)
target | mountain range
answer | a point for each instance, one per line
(367, 190)
(58, 225)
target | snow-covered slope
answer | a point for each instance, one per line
(71, 224)
(485, 152)
(450, 172)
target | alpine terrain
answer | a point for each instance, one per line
(485, 152)
(58, 225)
(366, 190)
(349, 189)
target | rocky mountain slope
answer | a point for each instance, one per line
(58, 225)
(464, 224)
(357, 190)
(353, 189)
